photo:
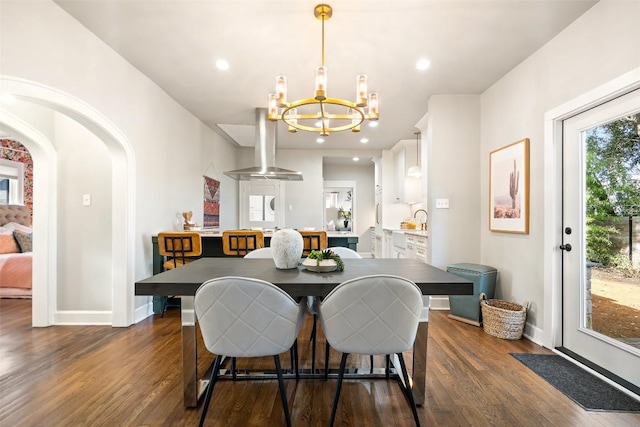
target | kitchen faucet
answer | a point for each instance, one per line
(423, 225)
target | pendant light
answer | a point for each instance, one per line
(416, 171)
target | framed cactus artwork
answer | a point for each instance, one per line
(509, 188)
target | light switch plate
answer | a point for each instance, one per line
(86, 200)
(442, 203)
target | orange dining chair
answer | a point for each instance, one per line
(179, 248)
(313, 240)
(238, 243)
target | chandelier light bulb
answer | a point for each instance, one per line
(281, 90)
(273, 105)
(321, 83)
(361, 90)
(373, 106)
(293, 113)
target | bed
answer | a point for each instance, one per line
(15, 251)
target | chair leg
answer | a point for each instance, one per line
(371, 363)
(387, 366)
(212, 383)
(409, 393)
(327, 347)
(283, 392)
(313, 343)
(313, 328)
(296, 365)
(291, 356)
(163, 304)
(343, 362)
(234, 373)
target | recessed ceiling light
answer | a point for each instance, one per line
(7, 98)
(320, 140)
(355, 159)
(423, 64)
(364, 140)
(222, 64)
(373, 124)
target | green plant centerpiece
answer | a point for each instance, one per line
(326, 255)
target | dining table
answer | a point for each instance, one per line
(299, 283)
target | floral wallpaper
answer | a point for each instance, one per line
(14, 151)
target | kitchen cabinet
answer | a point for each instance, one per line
(388, 244)
(372, 231)
(388, 214)
(409, 244)
(417, 245)
(406, 189)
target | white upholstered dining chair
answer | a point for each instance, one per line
(344, 252)
(245, 317)
(267, 253)
(312, 303)
(260, 253)
(372, 315)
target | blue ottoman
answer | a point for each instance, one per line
(466, 308)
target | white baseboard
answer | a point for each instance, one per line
(83, 318)
(86, 318)
(440, 302)
(143, 312)
(533, 333)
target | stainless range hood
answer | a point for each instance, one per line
(265, 155)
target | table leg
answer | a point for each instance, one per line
(189, 353)
(420, 363)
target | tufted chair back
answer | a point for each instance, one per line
(260, 253)
(243, 317)
(344, 252)
(372, 315)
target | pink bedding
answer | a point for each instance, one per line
(15, 272)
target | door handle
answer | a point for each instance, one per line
(566, 247)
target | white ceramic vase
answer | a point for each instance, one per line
(286, 245)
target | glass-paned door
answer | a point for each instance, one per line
(601, 226)
(261, 204)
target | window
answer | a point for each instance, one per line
(11, 182)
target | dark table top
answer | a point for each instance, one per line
(299, 282)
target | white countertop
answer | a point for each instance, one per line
(214, 233)
(407, 231)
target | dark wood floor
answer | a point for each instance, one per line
(103, 376)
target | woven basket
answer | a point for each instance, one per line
(503, 319)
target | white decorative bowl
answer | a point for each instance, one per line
(325, 266)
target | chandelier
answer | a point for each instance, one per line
(322, 114)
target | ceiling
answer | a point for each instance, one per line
(470, 44)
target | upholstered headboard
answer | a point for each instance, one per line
(15, 213)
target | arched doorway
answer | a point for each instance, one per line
(45, 184)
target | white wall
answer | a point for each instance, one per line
(42, 43)
(85, 168)
(598, 47)
(452, 149)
